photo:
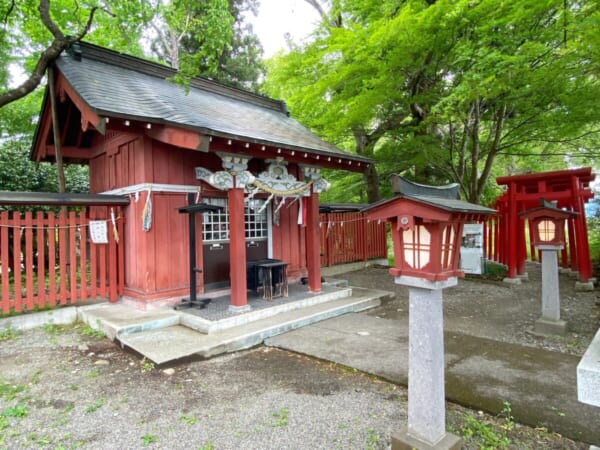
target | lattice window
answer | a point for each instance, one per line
(215, 224)
(255, 220)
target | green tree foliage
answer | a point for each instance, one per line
(207, 23)
(34, 32)
(444, 90)
(211, 39)
(20, 174)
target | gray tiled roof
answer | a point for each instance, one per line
(118, 85)
(401, 185)
(446, 204)
(453, 205)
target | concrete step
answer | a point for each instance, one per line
(211, 326)
(162, 345)
(117, 318)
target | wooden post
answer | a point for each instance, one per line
(573, 253)
(583, 251)
(4, 245)
(313, 258)
(237, 250)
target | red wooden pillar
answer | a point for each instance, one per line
(522, 247)
(573, 254)
(237, 249)
(583, 251)
(533, 256)
(313, 257)
(512, 238)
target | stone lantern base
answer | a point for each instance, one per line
(404, 441)
(548, 327)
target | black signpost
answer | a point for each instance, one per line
(191, 210)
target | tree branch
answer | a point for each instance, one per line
(59, 43)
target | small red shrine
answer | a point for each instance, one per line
(154, 141)
(570, 190)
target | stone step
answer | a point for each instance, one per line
(162, 345)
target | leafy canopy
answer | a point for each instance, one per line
(444, 91)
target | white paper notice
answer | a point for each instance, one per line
(98, 231)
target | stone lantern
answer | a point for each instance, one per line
(548, 237)
(426, 226)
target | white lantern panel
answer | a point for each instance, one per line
(448, 238)
(417, 246)
(546, 230)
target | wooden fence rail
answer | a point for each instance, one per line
(48, 259)
(349, 237)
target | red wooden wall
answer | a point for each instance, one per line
(157, 261)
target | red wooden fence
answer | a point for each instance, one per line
(349, 237)
(48, 260)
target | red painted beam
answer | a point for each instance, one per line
(179, 137)
(558, 176)
(70, 152)
(88, 115)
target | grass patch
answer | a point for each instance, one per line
(14, 411)
(9, 392)
(8, 334)
(94, 373)
(54, 329)
(372, 441)
(94, 406)
(281, 418)
(483, 433)
(190, 420)
(149, 439)
(86, 330)
(147, 365)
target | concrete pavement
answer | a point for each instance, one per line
(540, 385)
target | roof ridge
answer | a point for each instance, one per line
(95, 52)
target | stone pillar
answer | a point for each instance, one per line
(550, 322)
(426, 428)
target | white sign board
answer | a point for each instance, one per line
(471, 249)
(98, 231)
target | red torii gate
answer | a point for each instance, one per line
(570, 189)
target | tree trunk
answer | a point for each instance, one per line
(364, 147)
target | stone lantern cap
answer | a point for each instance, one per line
(548, 231)
(428, 202)
(547, 209)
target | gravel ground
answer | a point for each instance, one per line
(497, 310)
(63, 387)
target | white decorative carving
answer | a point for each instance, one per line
(234, 163)
(275, 180)
(321, 185)
(310, 172)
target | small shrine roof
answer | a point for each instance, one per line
(121, 86)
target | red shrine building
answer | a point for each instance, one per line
(150, 139)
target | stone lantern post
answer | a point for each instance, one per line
(549, 237)
(426, 226)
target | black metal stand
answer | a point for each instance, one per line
(191, 210)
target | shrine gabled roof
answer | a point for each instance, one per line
(120, 86)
